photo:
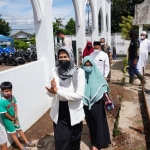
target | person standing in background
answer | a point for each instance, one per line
(66, 41)
(101, 59)
(114, 53)
(144, 50)
(133, 58)
(88, 49)
(107, 50)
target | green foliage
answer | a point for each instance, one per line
(121, 8)
(32, 40)
(126, 26)
(4, 27)
(125, 62)
(57, 25)
(70, 27)
(21, 45)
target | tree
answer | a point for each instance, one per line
(121, 8)
(21, 44)
(4, 27)
(126, 26)
(57, 25)
(70, 27)
(32, 40)
(59, 21)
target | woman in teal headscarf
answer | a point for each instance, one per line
(95, 87)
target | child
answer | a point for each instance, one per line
(9, 111)
(2, 141)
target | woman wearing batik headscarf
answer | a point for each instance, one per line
(88, 49)
(67, 87)
(95, 87)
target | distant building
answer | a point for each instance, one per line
(21, 35)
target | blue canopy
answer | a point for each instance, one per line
(4, 38)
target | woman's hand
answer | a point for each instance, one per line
(53, 89)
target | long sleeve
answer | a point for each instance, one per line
(78, 93)
(106, 66)
(149, 46)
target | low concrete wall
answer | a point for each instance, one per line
(29, 83)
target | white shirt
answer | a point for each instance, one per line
(67, 42)
(102, 61)
(143, 54)
(73, 94)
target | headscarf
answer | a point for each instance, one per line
(96, 85)
(67, 74)
(87, 51)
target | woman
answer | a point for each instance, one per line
(88, 49)
(67, 88)
(95, 87)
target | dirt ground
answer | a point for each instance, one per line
(123, 141)
(120, 140)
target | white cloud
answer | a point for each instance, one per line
(20, 14)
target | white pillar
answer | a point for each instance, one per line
(140, 29)
(79, 6)
(42, 11)
(95, 33)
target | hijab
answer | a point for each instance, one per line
(66, 75)
(88, 50)
(96, 85)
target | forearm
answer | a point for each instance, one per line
(9, 117)
(16, 111)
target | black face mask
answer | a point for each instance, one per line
(65, 64)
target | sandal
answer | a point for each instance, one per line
(30, 144)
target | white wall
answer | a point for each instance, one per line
(29, 83)
(120, 44)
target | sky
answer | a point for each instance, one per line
(19, 13)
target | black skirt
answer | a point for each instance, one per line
(67, 137)
(98, 126)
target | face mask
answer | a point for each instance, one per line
(142, 37)
(96, 50)
(64, 64)
(87, 68)
(8, 94)
(102, 44)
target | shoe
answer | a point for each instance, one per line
(131, 80)
(141, 78)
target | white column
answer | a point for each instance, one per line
(140, 29)
(42, 11)
(79, 6)
(93, 4)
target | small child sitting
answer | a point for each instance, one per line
(9, 113)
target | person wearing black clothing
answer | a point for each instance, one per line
(133, 58)
(114, 53)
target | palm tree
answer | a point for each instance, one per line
(58, 22)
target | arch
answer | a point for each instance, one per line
(107, 22)
(93, 13)
(101, 19)
(38, 11)
(77, 12)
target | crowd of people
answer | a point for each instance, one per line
(78, 93)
